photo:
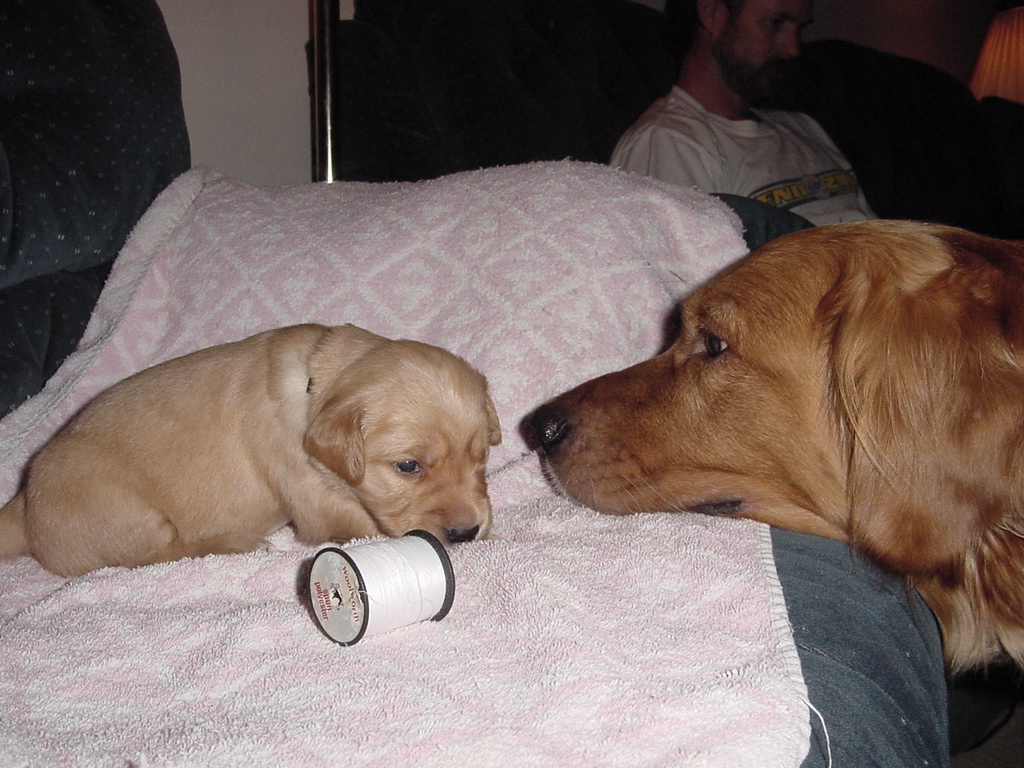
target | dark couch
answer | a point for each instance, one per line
(431, 87)
(428, 88)
(91, 130)
(922, 146)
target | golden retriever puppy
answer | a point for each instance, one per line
(339, 431)
(863, 382)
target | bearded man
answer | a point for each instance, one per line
(709, 133)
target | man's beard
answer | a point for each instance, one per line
(758, 85)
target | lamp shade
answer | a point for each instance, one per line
(1000, 67)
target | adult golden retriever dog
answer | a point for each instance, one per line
(337, 430)
(863, 382)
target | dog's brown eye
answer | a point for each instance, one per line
(713, 345)
(409, 467)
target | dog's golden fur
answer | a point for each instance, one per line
(337, 430)
(863, 382)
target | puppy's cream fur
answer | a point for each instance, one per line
(339, 431)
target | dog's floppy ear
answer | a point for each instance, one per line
(493, 424)
(335, 439)
(336, 428)
(923, 339)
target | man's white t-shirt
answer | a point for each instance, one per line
(783, 158)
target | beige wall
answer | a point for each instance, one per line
(243, 71)
(243, 66)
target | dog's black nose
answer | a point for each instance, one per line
(456, 535)
(551, 426)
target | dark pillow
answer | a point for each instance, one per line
(429, 88)
(42, 320)
(91, 129)
(913, 133)
(1004, 120)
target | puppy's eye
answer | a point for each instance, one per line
(409, 467)
(713, 345)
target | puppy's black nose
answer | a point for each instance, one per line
(551, 426)
(456, 535)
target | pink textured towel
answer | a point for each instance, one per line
(575, 639)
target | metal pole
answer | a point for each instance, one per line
(323, 16)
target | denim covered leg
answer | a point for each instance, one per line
(871, 655)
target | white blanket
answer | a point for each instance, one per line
(575, 639)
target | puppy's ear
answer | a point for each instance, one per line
(335, 438)
(493, 425)
(923, 375)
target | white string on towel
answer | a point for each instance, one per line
(824, 729)
(373, 588)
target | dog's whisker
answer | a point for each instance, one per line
(634, 482)
(1012, 529)
(635, 505)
